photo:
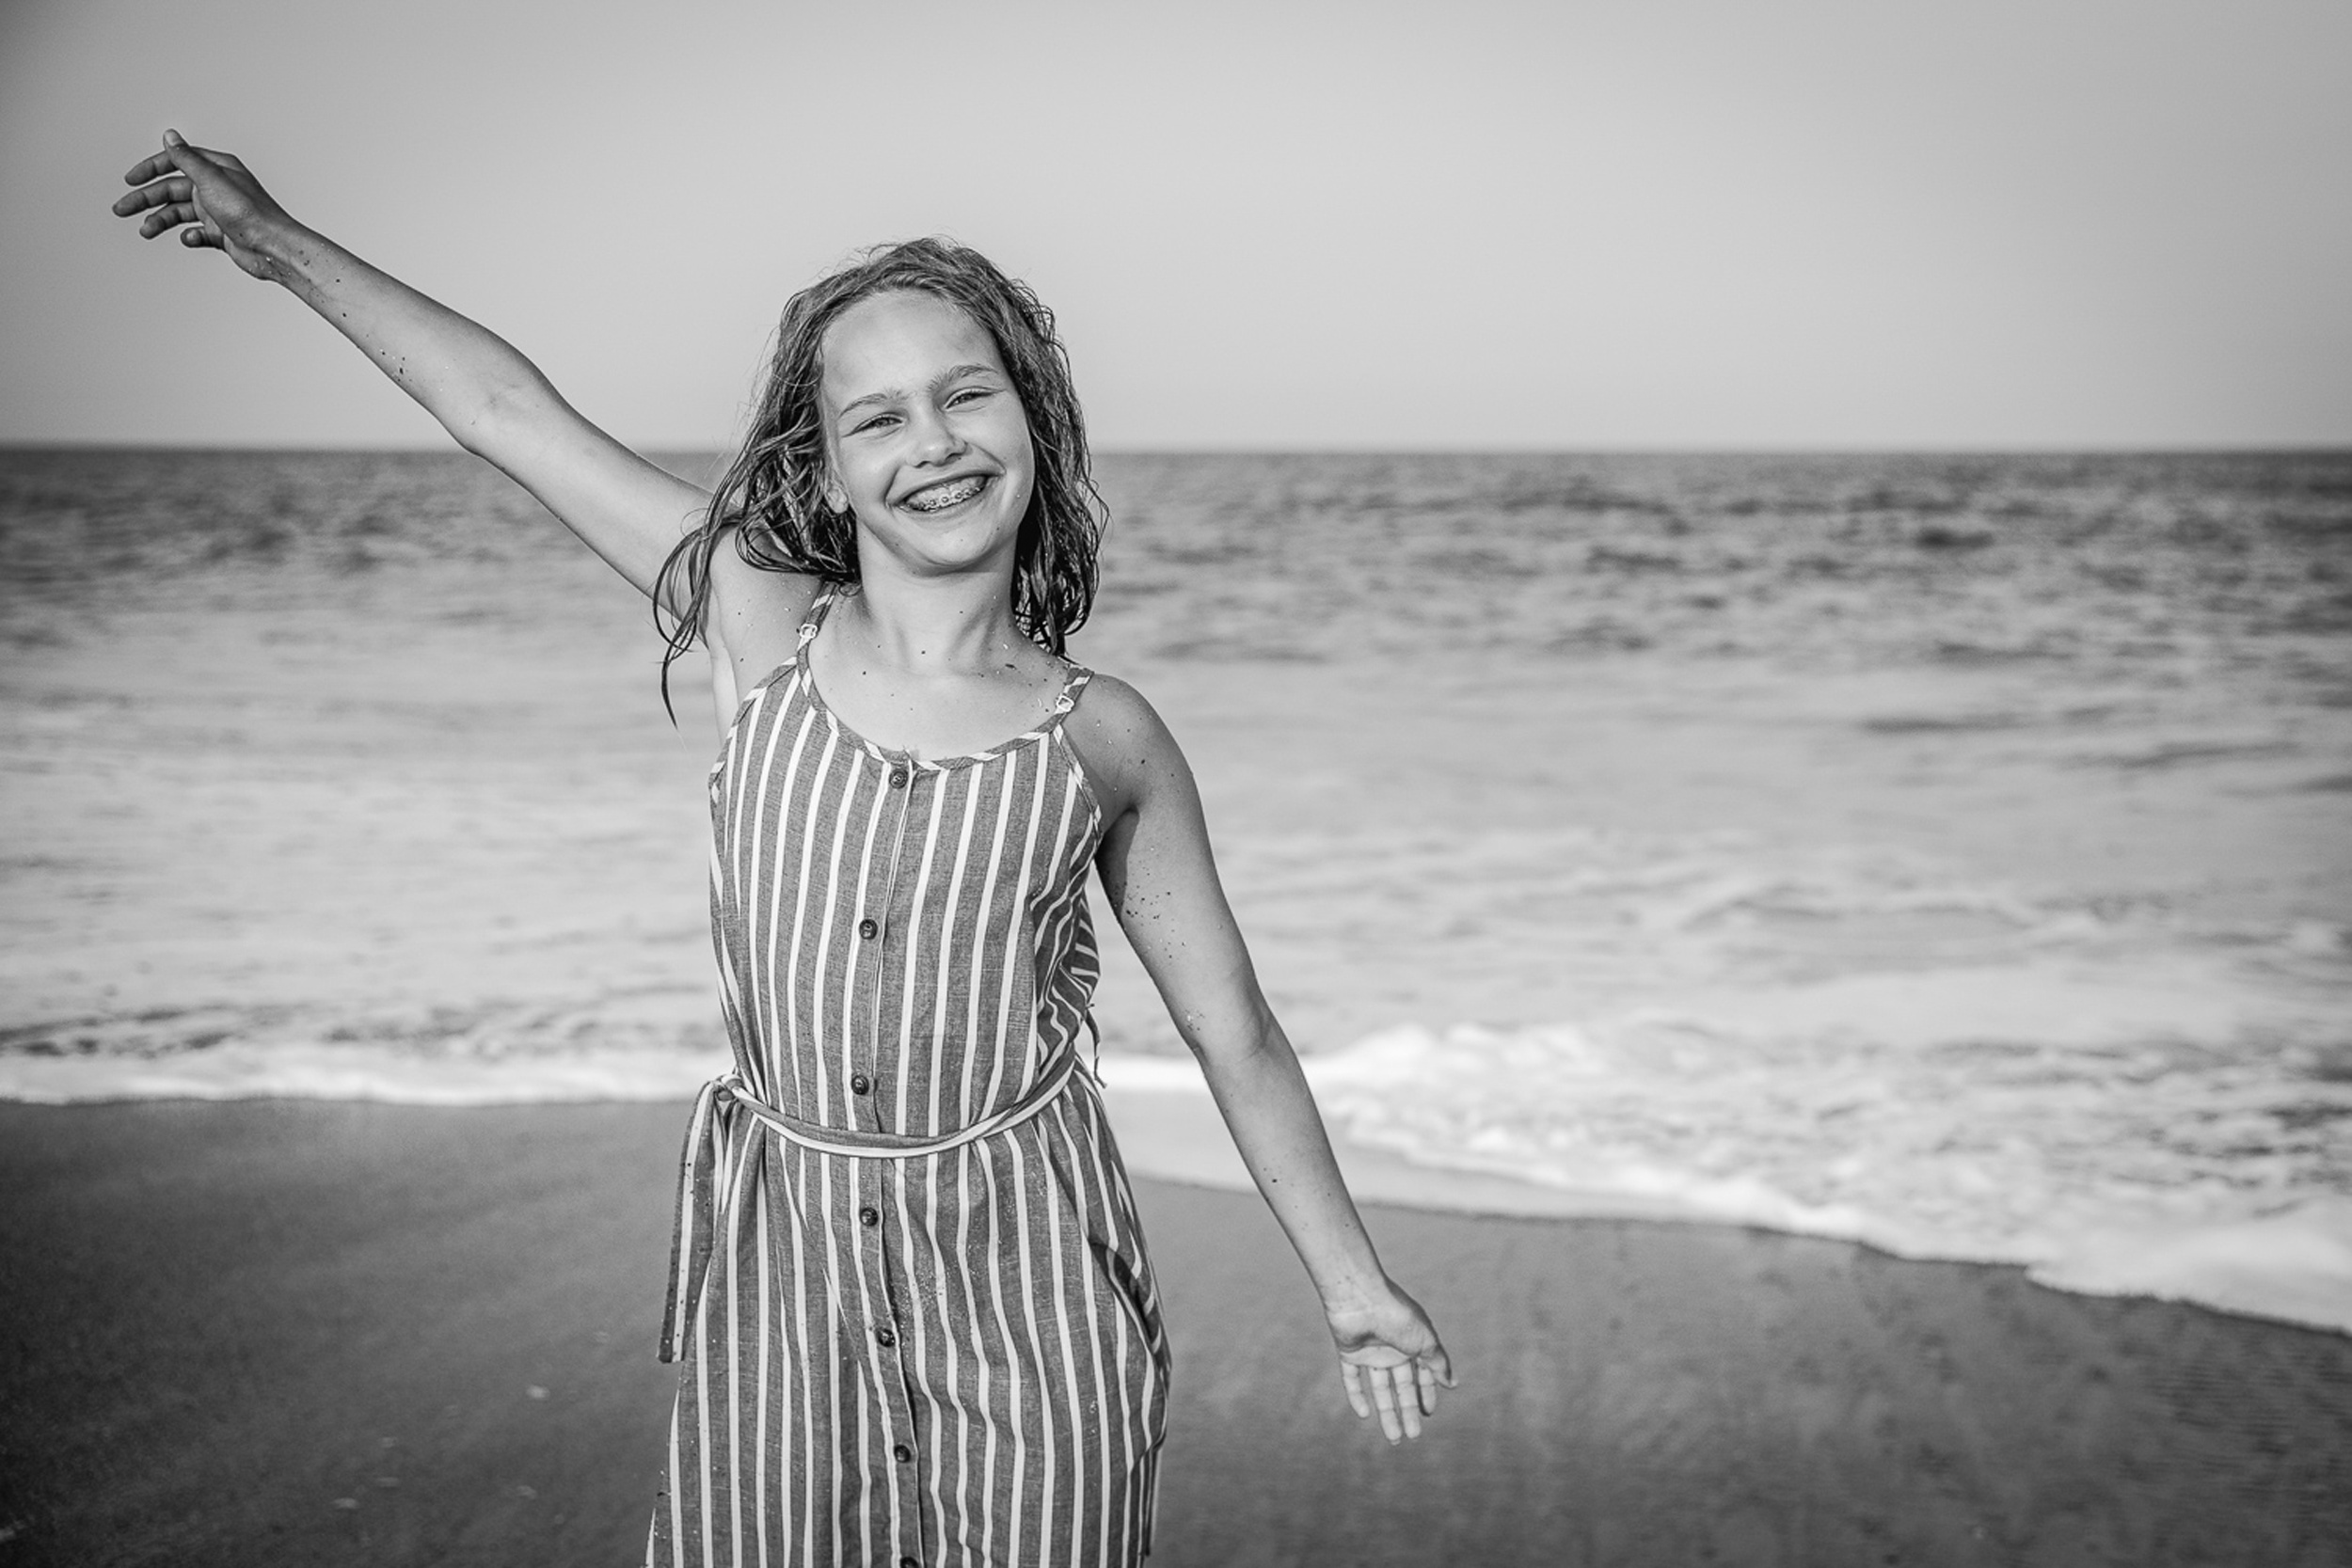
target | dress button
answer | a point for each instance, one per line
(869, 1217)
(903, 1454)
(885, 1338)
(897, 778)
(909, 1562)
(867, 929)
(859, 1083)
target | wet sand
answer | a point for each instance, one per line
(366, 1334)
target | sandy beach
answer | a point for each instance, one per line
(369, 1333)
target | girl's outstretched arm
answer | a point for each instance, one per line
(1162, 880)
(485, 395)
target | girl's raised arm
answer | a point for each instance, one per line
(1162, 880)
(485, 393)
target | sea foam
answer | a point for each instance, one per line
(2118, 1152)
(2117, 1135)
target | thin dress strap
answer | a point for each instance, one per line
(1071, 685)
(816, 616)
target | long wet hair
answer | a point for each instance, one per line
(773, 494)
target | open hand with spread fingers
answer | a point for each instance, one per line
(211, 197)
(1391, 1361)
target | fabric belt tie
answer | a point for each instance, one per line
(720, 1109)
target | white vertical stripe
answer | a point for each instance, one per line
(1015, 1038)
(761, 1237)
(864, 955)
(850, 1244)
(804, 1343)
(735, 1387)
(932, 1177)
(1058, 1220)
(1013, 1424)
(1026, 1252)
(973, 1163)
(960, 1205)
(777, 1063)
(677, 1480)
(1128, 1417)
(815, 1050)
(910, 982)
(702, 1419)
(967, 815)
(914, 1336)
(972, 1027)
(779, 1077)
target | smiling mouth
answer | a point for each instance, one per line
(940, 496)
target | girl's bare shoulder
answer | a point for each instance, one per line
(754, 613)
(1125, 746)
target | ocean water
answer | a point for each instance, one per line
(1951, 853)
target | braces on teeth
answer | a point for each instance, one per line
(942, 497)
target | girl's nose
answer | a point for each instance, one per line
(936, 439)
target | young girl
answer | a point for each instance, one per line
(917, 1320)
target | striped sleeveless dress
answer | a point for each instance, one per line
(909, 1297)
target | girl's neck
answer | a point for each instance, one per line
(931, 666)
(931, 626)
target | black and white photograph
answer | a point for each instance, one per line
(1053, 784)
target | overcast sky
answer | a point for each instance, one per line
(1454, 224)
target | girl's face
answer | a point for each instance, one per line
(929, 443)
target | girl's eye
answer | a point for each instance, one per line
(874, 423)
(969, 394)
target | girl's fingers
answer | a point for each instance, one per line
(1351, 1378)
(182, 153)
(178, 187)
(149, 169)
(1403, 1381)
(1383, 1398)
(177, 155)
(166, 217)
(195, 237)
(1407, 1401)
